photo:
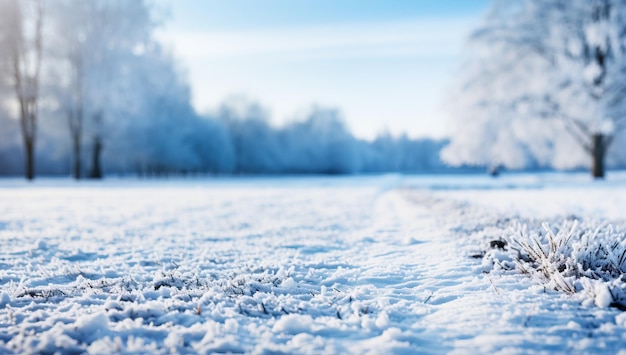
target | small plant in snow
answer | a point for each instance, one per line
(572, 258)
(547, 254)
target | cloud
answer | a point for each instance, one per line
(418, 37)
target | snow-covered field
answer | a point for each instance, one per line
(385, 264)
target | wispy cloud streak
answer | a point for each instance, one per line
(419, 37)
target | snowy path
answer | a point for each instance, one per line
(352, 266)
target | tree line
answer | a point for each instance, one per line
(235, 139)
(86, 88)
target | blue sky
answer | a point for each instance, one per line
(386, 64)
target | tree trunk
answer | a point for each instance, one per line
(29, 145)
(28, 123)
(598, 152)
(96, 169)
(76, 161)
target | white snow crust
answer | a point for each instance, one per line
(294, 265)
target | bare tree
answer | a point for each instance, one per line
(23, 49)
(75, 118)
(69, 93)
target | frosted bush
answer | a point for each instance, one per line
(575, 257)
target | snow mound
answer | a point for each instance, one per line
(294, 324)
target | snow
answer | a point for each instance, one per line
(379, 264)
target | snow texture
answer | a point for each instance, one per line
(325, 265)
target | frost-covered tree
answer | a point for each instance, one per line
(21, 51)
(70, 37)
(545, 85)
(161, 133)
(94, 42)
(321, 143)
(257, 149)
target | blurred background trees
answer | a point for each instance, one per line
(102, 95)
(21, 27)
(86, 88)
(93, 46)
(544, 86)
